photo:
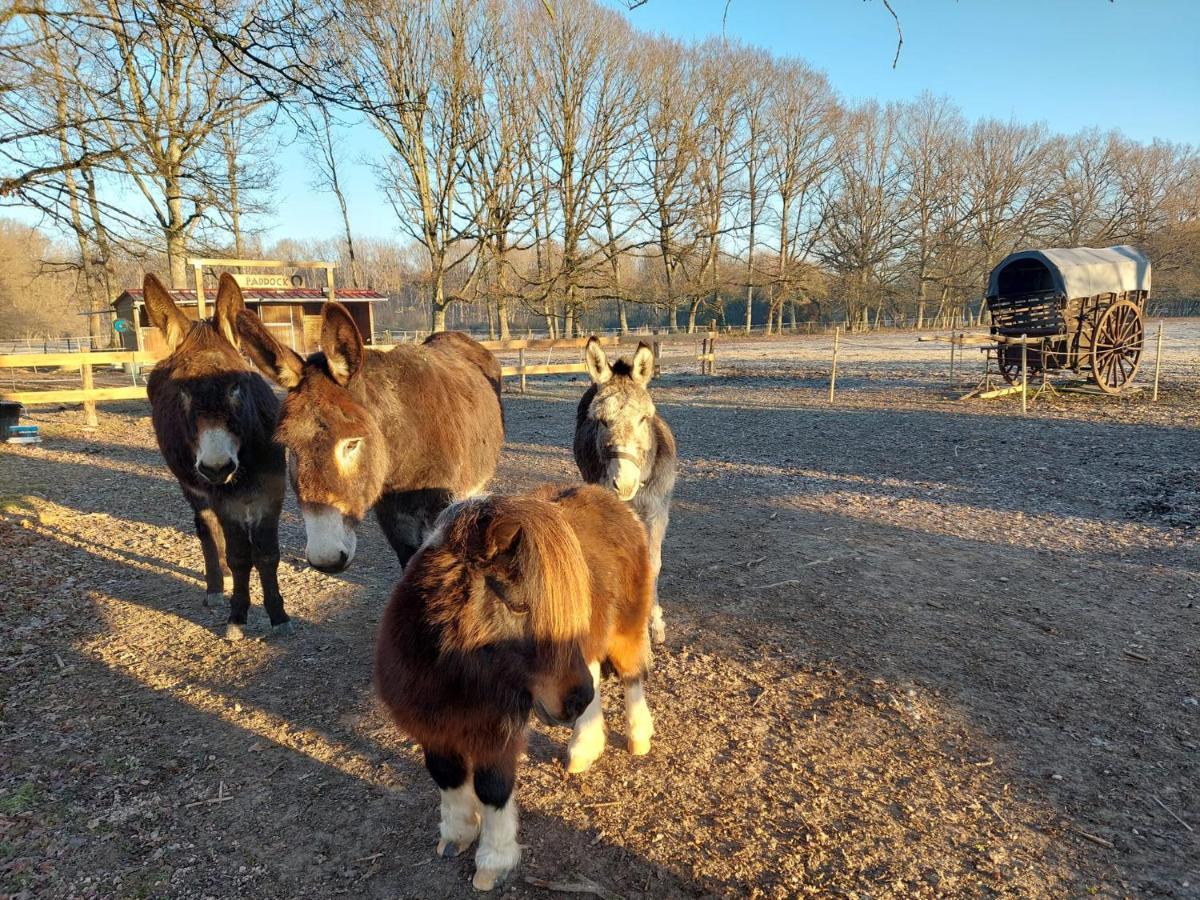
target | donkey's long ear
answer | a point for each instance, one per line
(164, 314)
(596, 361)
(281, 364)
(229, 304)
(341, 341)
(643, 364)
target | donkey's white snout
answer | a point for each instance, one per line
(216, 455)
(330, 541)
(625, 477)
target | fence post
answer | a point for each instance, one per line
(89, 405)
(656, 349)
(521, 366)
(833, 368)
(1024, 375)
(1157, 359)
(712, 352)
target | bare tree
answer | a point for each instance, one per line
(323, 149)
(668, 123)
(581, 60)
(411, 68)
(935, 199)
(798, 162)
(862, 236)
(759, 81)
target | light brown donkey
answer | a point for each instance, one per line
(404, 432)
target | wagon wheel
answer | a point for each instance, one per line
(1117, 346)
(1008, 358)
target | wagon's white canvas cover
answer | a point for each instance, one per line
(1085, 271)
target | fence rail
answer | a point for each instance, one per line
(89, 395)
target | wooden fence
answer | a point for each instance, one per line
(89, 395)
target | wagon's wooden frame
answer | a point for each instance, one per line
(1096, 333)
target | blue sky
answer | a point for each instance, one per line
(1132, 65)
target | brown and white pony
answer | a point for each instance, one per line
(215, 418)
(405, 432)
(510, 607)
(621, 442)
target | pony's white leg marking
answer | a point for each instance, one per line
(638, 723)
(587, 741)
(460, 819)
(498, 852)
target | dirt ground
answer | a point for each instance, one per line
(916, 647)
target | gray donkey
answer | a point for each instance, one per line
(622, 443)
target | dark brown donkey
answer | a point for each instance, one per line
(405, 431)
(214, 418)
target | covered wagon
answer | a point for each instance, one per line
(1074, 309)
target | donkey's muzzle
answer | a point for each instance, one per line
(218, 474)
(332, 568)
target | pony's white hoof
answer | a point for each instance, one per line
(447, 849)
(639, 728)
(580, 758)
(214, 601)
(234, 631)
(486, 879)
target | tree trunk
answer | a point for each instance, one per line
(502, 292)
(437, 302)
(622, 318)
(750, 274)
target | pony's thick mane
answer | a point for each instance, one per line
(542, 575)
(554, 573)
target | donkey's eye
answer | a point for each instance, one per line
(349, 448)
(235, 393)
(185, 398)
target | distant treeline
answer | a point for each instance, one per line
(549, 166)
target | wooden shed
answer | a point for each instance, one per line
(293, 314)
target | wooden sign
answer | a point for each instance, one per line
(258, 281)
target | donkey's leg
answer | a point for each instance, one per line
(656, 529)
(240, 556)
(498, 852)
(212, 545)
(459, 808)
(264, 548)
(587, 741)
(400, 524)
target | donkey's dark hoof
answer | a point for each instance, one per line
(235, 631)
(214, 601)
(447, 849)
(283, 629)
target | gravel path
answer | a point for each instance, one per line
(916, 647)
